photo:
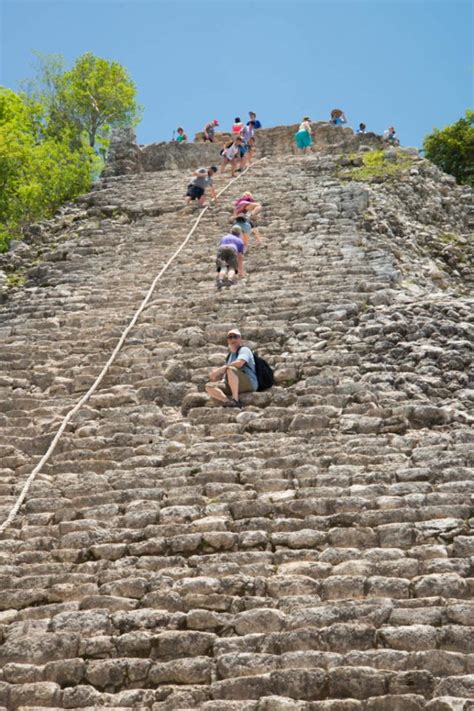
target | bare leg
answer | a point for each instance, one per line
(233, 380)
(254, 209)
(258, 236)
(216, 393)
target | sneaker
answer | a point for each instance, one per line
(219, 284)
(234, 403)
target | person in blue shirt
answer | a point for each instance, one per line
(338, 118)
(253, 117)
(237, 375)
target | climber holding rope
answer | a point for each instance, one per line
(199, 184)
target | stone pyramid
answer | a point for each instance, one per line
(310, 553)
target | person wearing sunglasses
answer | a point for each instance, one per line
(236, 376)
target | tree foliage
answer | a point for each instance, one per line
(97, 95)
(36, 175)
(49, 135)
(91, 98)
(452, 148)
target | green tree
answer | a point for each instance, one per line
(95, 96)
(37, 174)
(91, 98)
(452, 148)
(49, 132)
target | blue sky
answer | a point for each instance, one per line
(403, 62)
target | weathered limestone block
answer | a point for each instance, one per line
(417, 681)
(222, 705)
(448, 585)
(39, 649)
(137, 643)
(406, 702)
(305, 684)
(170, 645)
(261, 620)
(80, 696)
(461, 686)
(243, 688)
(411, 638)
(166, 156)
(449, 703)
(280, 703)
(343, 637)
(182, 671)
(67, 672)
(339, 705)
(83, 622)
(357, 682)
(44, 693)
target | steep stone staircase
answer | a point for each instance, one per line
(312, 552)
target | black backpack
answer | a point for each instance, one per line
(263, 372)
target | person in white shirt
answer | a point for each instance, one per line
(231, 154)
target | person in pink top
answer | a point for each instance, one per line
(246, 205)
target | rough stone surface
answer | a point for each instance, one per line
(311, 553)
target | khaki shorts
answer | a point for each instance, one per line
(245, 386)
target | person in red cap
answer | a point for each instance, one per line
(209, 130)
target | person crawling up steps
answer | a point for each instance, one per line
(201, 181)
(230, 258)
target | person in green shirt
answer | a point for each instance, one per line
(181, 137)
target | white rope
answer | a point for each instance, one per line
(17, 505)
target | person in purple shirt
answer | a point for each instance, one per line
(230, 257)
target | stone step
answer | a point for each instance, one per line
(312, 551)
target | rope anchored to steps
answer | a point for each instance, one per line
(22, 496)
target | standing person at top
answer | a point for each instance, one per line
(253, 117)
(230, 257)
(303, 136)
(231, 154)
(210, 130)
(246, 205)
(338, 117)
(361, 128)
(389, 136)
(247, 132)
(201, 181)
(246, 152)
(181, 137)
(238, 375)
(250, 150)
(238, 125)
